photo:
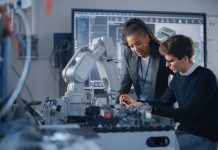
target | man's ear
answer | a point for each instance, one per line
(186, 59)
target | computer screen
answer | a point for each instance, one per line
(89, 24)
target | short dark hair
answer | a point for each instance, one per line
(136, 25)
(179, 46)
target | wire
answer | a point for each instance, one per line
(63, 46)
(60, 48)
(54, 72)
(26, 69)
(113, 97)
(25, 85)
(20, 38)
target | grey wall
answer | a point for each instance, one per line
(41, 80)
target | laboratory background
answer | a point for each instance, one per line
(60, 70)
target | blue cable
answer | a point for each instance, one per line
(25, 47)
(20, 38)
(109, 94)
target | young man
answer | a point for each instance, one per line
(194, 88)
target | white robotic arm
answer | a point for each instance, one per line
(101, 52)
(82, 62)
(107, 67)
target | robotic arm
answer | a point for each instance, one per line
(80, 65)
(101, 52)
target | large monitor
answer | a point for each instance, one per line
(88, 24)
